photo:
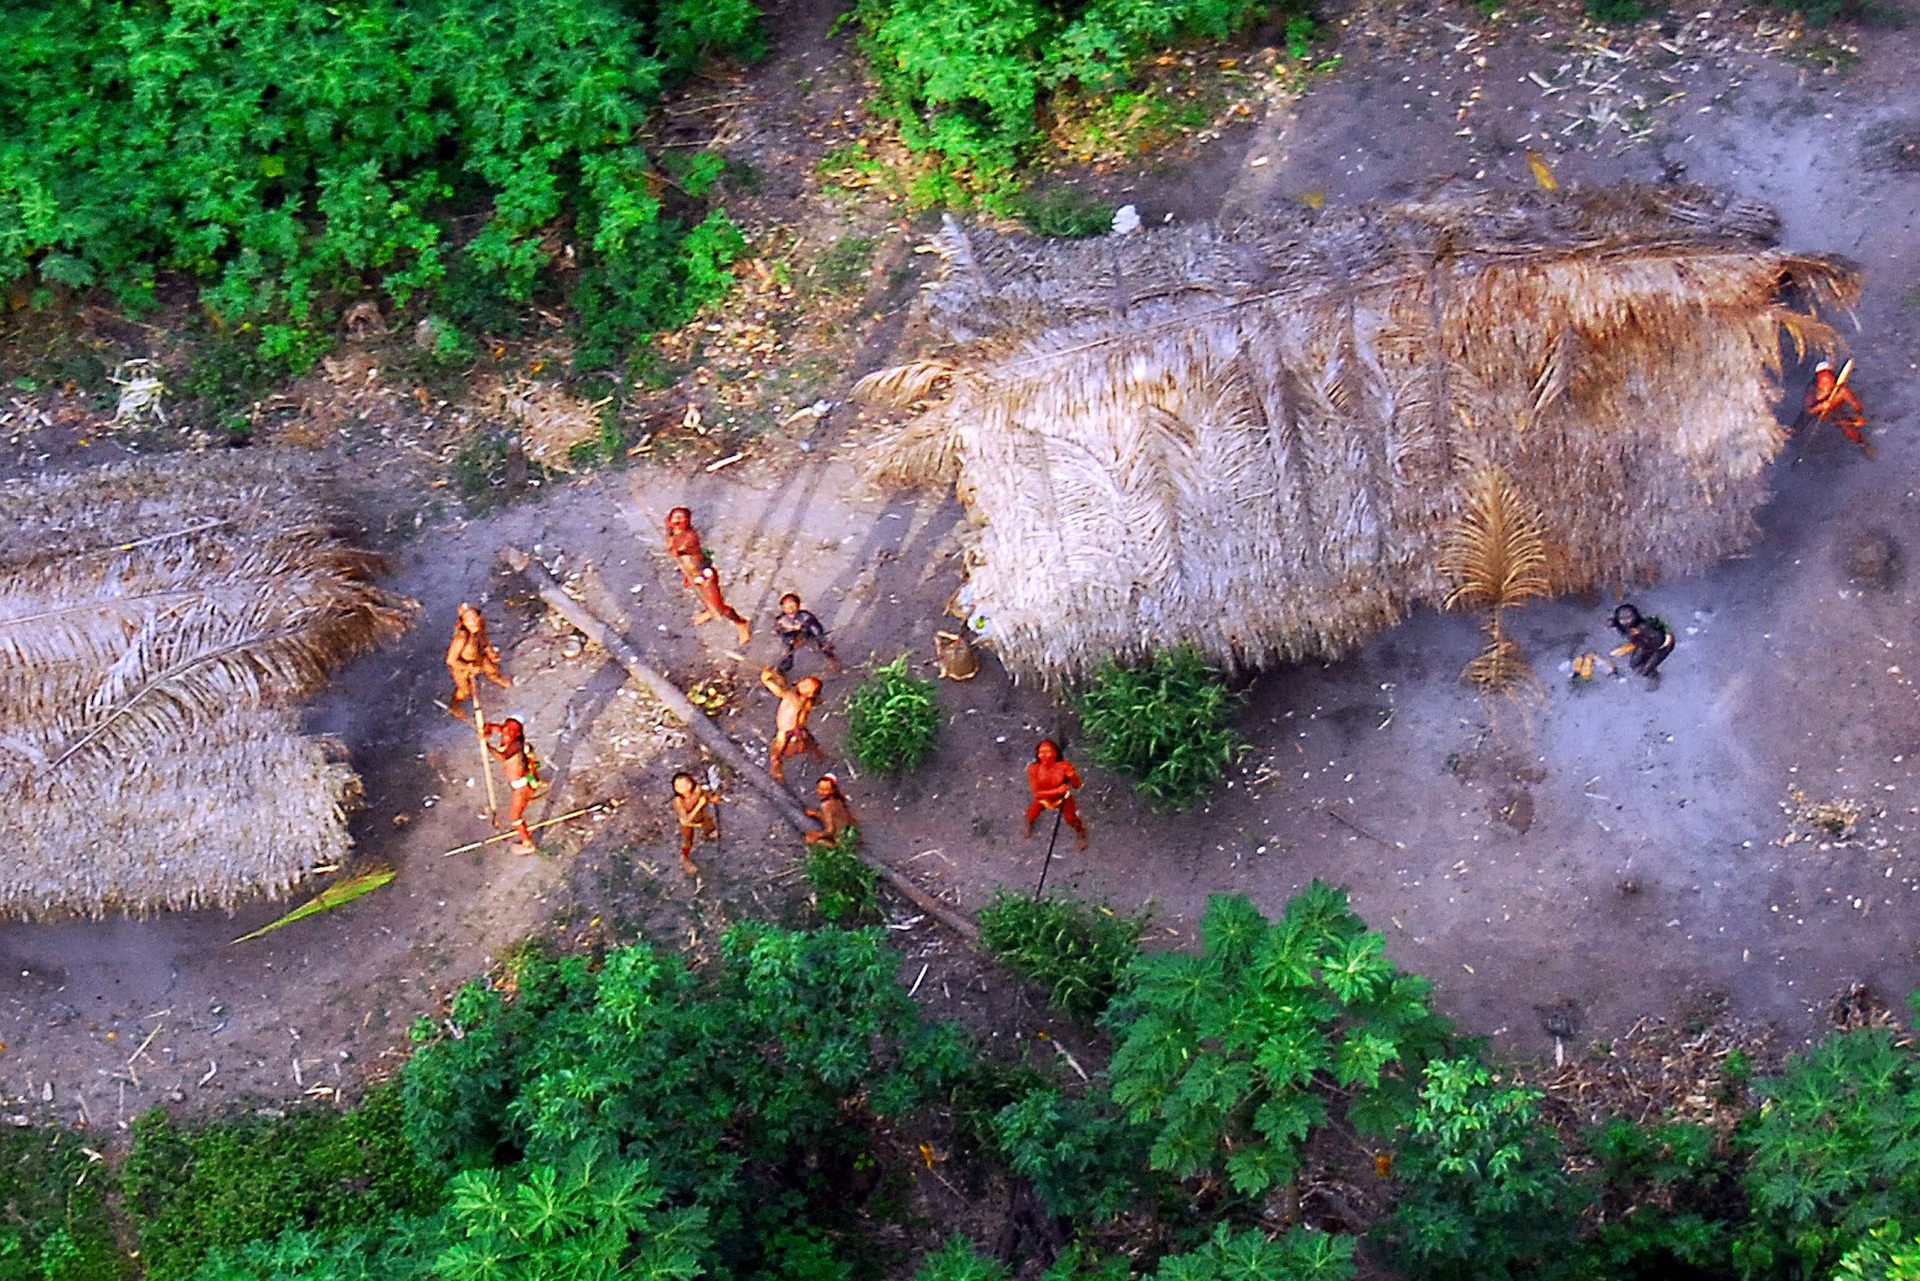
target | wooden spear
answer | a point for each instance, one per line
(486, 755)
(709, 734)
(534, 827)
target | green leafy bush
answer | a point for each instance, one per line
(746, 1088)
(1064, 211)
(1482, 1192)
(842, 881)
(1666, 1195)
(1832, 1155)
(54, 1223)
(1086, 1159)
(1301, 1254)
(1077, 951)
(1227, 1054)
(893, 719)
(190, 1191)
(968, 78)
(287, 154)
(1163, 725)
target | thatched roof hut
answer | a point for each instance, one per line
(1254, 437)
(157, 622)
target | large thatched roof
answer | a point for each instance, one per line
(1254, 437)
(157, 620)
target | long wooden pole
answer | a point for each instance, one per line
(486, 756)
(703, 728)
(534, 827)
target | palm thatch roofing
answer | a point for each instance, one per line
(1255, 437)
(157, 622)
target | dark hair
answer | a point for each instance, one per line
(790, 596)
(1626, 616)
(1046, 742)
(690, 778)
(834, 780)
(682, 511)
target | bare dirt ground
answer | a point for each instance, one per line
(1618, 847)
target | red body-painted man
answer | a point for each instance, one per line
(696, 568)
(511, 748)
(1831, 401)
(1052, 780)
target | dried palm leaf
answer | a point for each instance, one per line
(901, 385)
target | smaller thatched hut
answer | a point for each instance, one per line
(1255, 437)
(158, 622)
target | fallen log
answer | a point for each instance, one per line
(703, 728)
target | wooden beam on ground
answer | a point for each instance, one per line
(703, 728)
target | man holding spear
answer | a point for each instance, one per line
(522, 775)
(1829, 399)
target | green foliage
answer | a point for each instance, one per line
(1618, 11)
(744, 1088)
(1077, 951)
(968, 78)
(1834, 1154)
(1164, 725)
(54, 1223)
(1225, 1054)
(593, 1216)
(287, 155)
(1064, 211)
(1665, 1193)
(1300, 1255)
(232, 1182)
(402, 1248)
(1483, 1195)
(1886, 1255)
(892, 719)
(1086, 1159)
(842, 881)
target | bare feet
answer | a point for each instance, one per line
(688, 866)
(522, 847)
(458, 712)
(1083, 842)
(1029, 831)
(703, 616)
(746, 632)
(504, 682)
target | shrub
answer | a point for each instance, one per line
(1064, 211)
(1086, 1159)
(1077, 951)
(744, 1088)
(968, 78)
(285, 154)
(842, 881)
(1226, 1055)
(190, 1191)
(1482, 1192)
(1831, 1156)
(54, 1224)
(1163, 725)
(892, 719)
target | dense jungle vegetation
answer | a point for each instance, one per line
(764, 1115)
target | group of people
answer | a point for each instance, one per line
(472, 658)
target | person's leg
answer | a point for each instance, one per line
(1070, 814)
(777, 757)
(785, 664)
(517, 816)
(462, 693)
(1033, 815)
